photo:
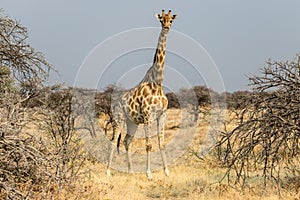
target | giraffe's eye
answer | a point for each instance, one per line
(171, 21)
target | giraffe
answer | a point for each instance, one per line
(144, 104)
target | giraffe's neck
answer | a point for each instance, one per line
(155, 73)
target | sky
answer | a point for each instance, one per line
(235, 38)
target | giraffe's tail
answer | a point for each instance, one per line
(115, 129)
(118, 143)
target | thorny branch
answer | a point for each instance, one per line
(263, 138)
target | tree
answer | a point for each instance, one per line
(25, 63)
(263, 139)
(22, 158)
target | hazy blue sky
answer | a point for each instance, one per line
(239, 35)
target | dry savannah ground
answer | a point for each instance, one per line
(190, 177)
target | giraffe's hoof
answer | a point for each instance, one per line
(149, 175)
(108, 174)
(167, 173)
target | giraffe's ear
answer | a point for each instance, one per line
(174, 17)
(158, 16)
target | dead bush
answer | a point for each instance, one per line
(261, 140)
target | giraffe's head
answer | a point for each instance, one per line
(166, 19)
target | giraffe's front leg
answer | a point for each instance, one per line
(161, 143)
(148, 150)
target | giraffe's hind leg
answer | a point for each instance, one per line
(131, 129)
(110, 157)
(111, 154)
(148, 150)
(127, 143)
(116, 129)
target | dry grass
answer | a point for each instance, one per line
(186, 181)
(190, 178)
